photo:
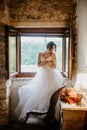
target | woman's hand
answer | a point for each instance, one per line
(42, 63)
(51, 64)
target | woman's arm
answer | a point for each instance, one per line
(46, 55)
(41, 63)
(52, 63)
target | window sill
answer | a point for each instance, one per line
(25, 74)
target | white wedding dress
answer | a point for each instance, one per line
(36, 95)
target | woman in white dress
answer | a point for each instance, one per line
(36, 95)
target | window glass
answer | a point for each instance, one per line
(30, 46)
(12, 54)
(67, 45)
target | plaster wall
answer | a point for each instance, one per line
(82, 37)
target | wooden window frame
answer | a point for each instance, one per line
(62, 32)
(8, 31)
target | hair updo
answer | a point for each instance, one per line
(50, 45)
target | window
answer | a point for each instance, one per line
(23, 47)
(12, 54)
(31, 45)
(11, 51)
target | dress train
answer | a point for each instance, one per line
(36, 94)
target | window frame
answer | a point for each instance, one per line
(8, 32)
(60, 32)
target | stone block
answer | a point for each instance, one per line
(2, 47)
(4, 105)
(2, 59)
(4, 114)
(2, 83)
(4, 121)
(2, 94)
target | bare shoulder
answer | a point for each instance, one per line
(53, 55)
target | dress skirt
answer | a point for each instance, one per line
(36, 94)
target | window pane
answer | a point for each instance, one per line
(66, 66)
(59, 54)
(30, 46)
(12, 54)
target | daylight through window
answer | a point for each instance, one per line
(30, 46)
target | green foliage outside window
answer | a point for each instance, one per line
(12, 54)
(30, 46)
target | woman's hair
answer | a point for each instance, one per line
(50, 45)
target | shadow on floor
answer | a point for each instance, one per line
(17, 126)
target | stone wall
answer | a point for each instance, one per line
(40, 13)
(4, 98)
(4, 13)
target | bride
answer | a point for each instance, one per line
(36, 95)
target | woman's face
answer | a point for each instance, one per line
(53, 49)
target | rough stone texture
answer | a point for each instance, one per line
(2, 83)
(4, 12)
(3, 121)
(2, 61)
(2, 94)
(2, 8)
(4, 104)
(2, 51)
(41, 11)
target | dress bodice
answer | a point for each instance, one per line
(46, 59)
